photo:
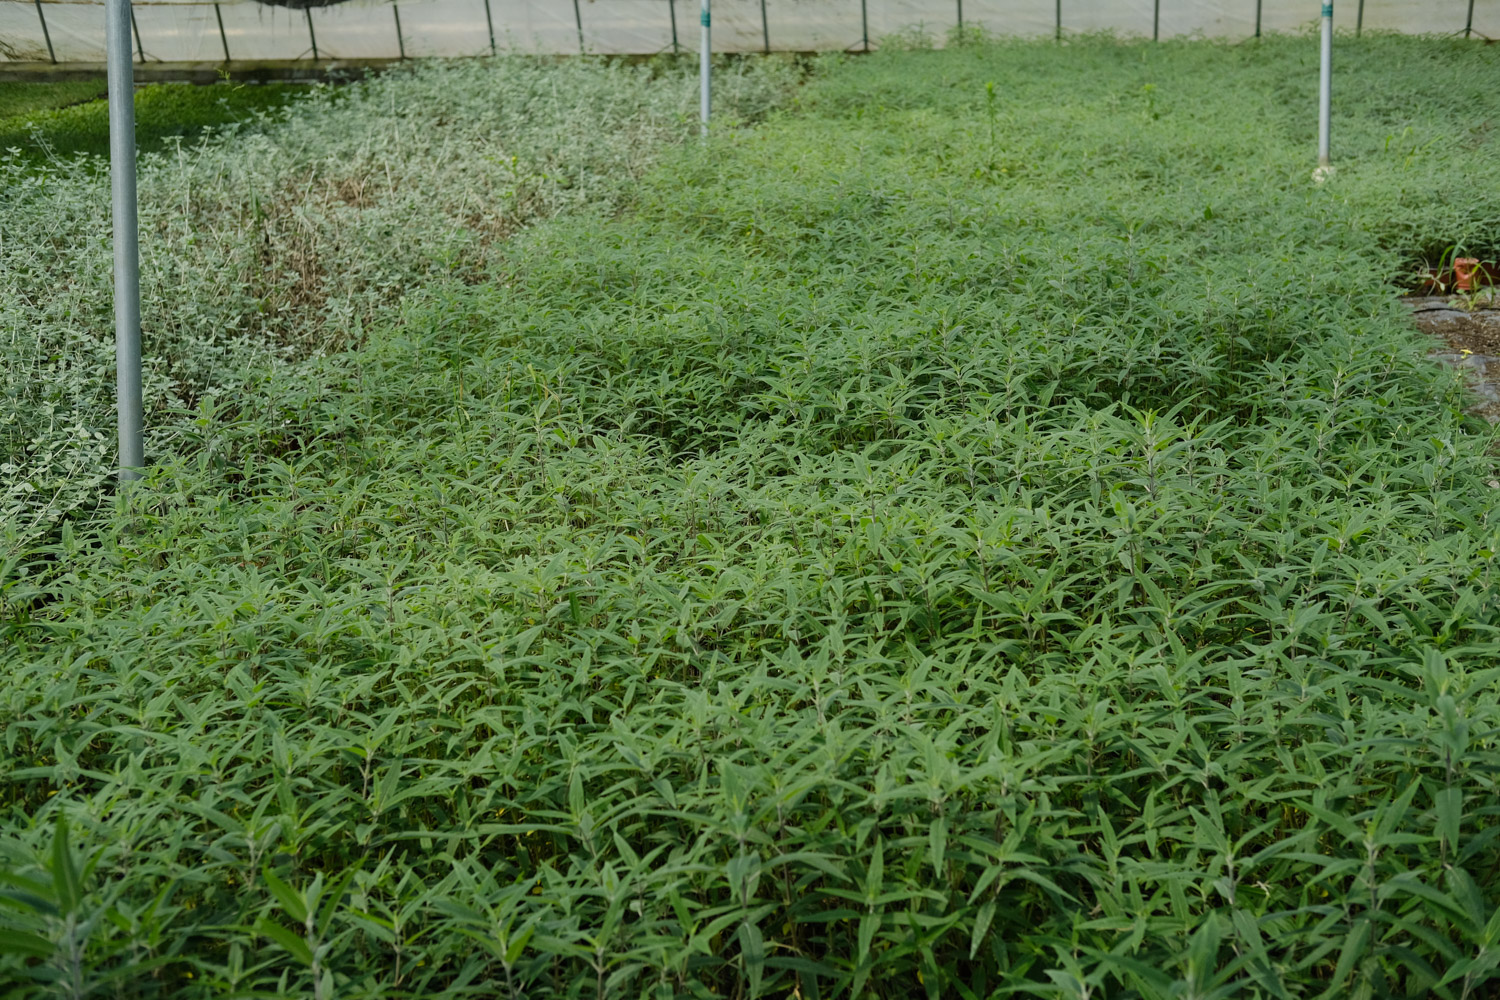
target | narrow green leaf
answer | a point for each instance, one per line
(14, 942)
(65, 881)
(753, 950)
(982, 921)
(292, 903)
(293, 943)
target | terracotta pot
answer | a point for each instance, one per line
(1463, 273)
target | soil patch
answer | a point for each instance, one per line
(1469, 331)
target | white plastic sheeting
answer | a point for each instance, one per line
(189, 30)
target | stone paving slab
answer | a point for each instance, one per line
(1468, 328)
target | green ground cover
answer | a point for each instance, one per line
(987, 530)
(26, 98)
(47, 122)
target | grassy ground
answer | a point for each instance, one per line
(29, 98)
(987, 531)
(51, 121)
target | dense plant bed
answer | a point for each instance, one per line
(29, 98)
(53, 131)
(274, 240)
(992, 531)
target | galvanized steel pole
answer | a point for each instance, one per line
(121, 77)
(704, 70)
(223, 38)
(1325, 84)
(46, 34)
(136, 30)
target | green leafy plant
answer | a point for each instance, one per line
(70, 937)
(797, 567)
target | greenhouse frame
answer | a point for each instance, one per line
(168, 31)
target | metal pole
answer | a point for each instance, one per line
(864, 23)
(1359, 19)
(223, 38)
(137, 32)
(400, 42)
(1469, 24)
(578, 20)
(960, 14)
(1257, 18)
(312, 35)
(704, 70)
(1058, 36)
(45, 33)
(490, 22)
(1325, 84)
(765, 27)
(121, 76)
(1156, 22)
(672, 9)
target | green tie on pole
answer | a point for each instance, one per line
(121, 76)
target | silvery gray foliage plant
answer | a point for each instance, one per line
(279, 239)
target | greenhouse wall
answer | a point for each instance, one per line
(170, 31)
